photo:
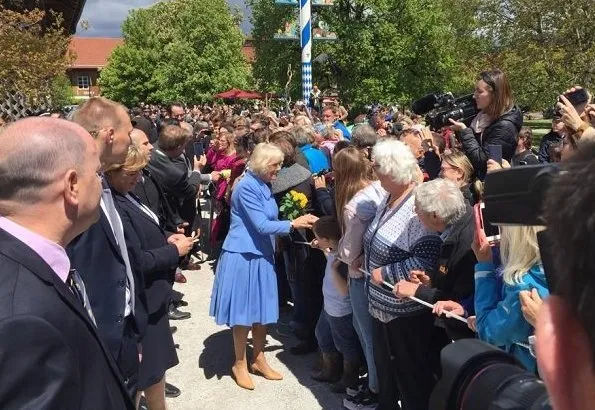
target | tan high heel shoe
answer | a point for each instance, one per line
(265, 370)
(242, 377)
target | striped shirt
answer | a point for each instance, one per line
(397, 242)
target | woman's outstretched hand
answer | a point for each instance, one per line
(304, 221)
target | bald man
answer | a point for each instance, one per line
(101, 255)
(51, 356)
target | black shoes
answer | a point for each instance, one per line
(171, 391)
(175, 314)
(173, 329)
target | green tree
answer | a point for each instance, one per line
(184, 50)
(33, 53)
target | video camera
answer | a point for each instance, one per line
(439, 108)
(477, 376)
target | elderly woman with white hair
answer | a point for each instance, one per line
(396, 243)
(245, 290)
(442, 208)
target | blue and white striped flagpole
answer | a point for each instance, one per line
(306, 43)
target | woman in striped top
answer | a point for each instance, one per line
(396, 243)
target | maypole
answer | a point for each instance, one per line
(306, 43)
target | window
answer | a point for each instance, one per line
(83, 82)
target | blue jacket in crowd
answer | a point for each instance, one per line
(316, 158)
(339, 126)
(500, 320)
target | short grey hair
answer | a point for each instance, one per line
(394, 159)
(364, 136)
(263, 155)
(303, 135)
(34, 152)
(442, 197)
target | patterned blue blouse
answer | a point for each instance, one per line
(398, 242)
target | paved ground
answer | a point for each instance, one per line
(206, 356)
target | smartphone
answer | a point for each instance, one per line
(492, 232)
(199, 150)
(495, 153)
(577, 97)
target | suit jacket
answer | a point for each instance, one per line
(254, 218)
(173, 177)
(97, 257)
(51, 355)
(151, 194)
(149, 253)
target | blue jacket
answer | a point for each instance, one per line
(316, 158)
(498, 310)
(339, 126)
(254, 218)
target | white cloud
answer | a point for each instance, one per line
(106, 16)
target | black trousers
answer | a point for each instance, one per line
(403, 356)
(127, 359)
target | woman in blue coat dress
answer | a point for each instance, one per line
(245, 290)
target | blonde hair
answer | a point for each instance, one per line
(97, 113)
(519, 251)
(459, 160)
(263, 155)
(135, 161)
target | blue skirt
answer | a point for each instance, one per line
(245, 290)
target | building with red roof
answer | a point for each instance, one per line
(92, 54)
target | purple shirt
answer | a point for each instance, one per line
(51, 253)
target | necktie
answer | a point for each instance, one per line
(112, 214)
(77, 286)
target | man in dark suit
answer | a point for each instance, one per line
(51, 355)
(100, 254)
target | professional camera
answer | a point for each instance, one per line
(439, 108)
(477, 376)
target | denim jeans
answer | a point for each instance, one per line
(337, 334)
(362, 322)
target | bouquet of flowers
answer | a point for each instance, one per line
(293, 204)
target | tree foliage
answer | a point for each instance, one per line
(184, 50)
(395, 50)
(33, 53)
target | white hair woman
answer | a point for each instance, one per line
(395, 243)
(245, 290)
(441, 207)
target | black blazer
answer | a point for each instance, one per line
(151, 194)
(172, 177)
(149, 253)
(96, 256)
(51, 356)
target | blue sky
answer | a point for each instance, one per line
(106, 16)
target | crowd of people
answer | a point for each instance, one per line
(99, 219)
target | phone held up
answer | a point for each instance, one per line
(495, 153)
(492, 232)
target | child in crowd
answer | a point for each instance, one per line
(335, 332)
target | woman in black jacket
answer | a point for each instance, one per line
(155, 258)
(441, 208)
(498, 122)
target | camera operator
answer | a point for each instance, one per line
(566, 324)
(497, 123)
